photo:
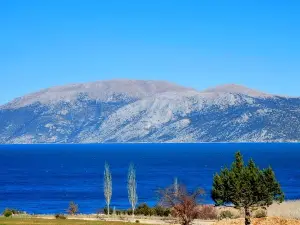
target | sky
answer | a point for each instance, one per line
(195, 43)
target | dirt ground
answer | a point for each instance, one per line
(261, 221)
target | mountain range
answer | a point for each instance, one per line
(149, 111)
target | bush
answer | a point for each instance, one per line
(167, 212)
(226, 215)
(110, 211)
(143, 209)
(137, 221)
(60, 216)
(260, 213)
(161, 211)
(7, 213)
(207, 212)
(17, 212)
(129, 212)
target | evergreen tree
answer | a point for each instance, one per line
(246, 186)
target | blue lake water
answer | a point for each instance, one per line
(44, 178)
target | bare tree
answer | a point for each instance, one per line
(184, 205)
(131, 184)
(107, 185)
(73, 208)
(176, 186)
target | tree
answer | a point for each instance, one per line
(175, 186)
(246, 186)
(184, 205)
(107, 185)
(73, 208)
(131, 185)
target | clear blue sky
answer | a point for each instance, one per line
(199, 43)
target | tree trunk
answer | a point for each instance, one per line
(247, 216)
(108, 209)
(186, 222)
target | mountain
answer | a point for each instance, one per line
(149, 111)
(105, 91)
(238, 89)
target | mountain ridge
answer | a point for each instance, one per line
(68, 92)
(128, 111)
(86, 87)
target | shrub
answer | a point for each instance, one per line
(161, 211)
(105, 211)
(73, 208)
(137, 221)
(260, 213)
(143, 209)
(60, 216)
(17, 212)
(7, 213)
(167, 212)
(129, 212)
(226, 215)
(207, 212)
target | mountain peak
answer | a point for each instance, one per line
(98, 90)
(237, 89)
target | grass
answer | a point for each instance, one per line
(286, 213)
(287, 209)
(35, 221)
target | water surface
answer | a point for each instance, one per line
(44, 178)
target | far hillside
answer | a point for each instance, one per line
(148, 111)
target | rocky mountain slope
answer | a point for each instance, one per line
(148, 111)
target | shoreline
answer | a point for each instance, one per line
(155, 143)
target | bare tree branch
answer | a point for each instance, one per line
(184, 205)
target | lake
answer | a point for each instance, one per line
(45, 178)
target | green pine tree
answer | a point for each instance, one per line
(246, 186)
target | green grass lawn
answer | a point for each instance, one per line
(35, 221)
